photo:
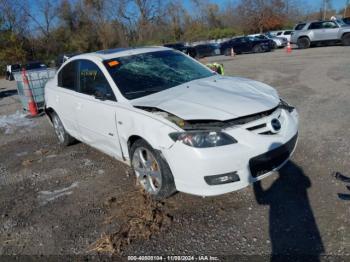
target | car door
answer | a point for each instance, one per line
(238, 45)
(96, 109)
(316, 31)
(329, 30)
(247, 44)
(64, 98)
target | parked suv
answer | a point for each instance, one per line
(177, 123)
(307, 34)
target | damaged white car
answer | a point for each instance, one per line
(180, 126)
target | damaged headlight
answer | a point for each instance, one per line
(203, 139)
(284, 105)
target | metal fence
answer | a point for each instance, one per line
(34, 87)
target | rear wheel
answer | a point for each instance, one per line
(303, 43)
(151, 170)
(63, 137)
(346, 39)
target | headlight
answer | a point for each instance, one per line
(284, 105)
(203, 138)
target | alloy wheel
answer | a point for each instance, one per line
(147, 170)
(59, 129)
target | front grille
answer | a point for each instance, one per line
(256, 127)
(268, 161)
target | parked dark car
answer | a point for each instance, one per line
(183, 48)
(245, 44)
(203, 50)
(34, 65)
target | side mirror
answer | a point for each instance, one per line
(100, 96)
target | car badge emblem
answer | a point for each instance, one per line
(275, 124)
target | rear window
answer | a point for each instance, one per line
(67, 76)
(300, 26)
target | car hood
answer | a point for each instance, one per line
(213, 98)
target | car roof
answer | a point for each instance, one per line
(118, 52)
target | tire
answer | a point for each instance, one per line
(160, 184)
(303, 43)
(346, 39)
(257, 49)
(64, 138)
(227, 52)
(274, 45)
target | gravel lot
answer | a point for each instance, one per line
(60, 200)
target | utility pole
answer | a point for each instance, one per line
(324, 9)
(346, 8)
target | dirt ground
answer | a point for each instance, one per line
(59, 201)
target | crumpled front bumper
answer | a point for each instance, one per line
(190, 165)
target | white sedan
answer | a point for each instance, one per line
(179, 125)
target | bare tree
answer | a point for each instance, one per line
(261, 15)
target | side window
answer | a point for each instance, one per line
(316, 25)
(279, 33)
(287, 32)
(329, 24)
(93, 82)
(67, 76)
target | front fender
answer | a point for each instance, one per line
(133, 122)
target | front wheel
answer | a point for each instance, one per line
(303, 43)
(151, 170)
(346, 39)
(63, 137)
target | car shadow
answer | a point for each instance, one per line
(293, 230)
(7, 93)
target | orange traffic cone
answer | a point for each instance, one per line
(33, 110)
(289, 48)
(232, 52)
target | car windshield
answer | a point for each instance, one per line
(341, 22)
(299, 26)
(144, 74)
